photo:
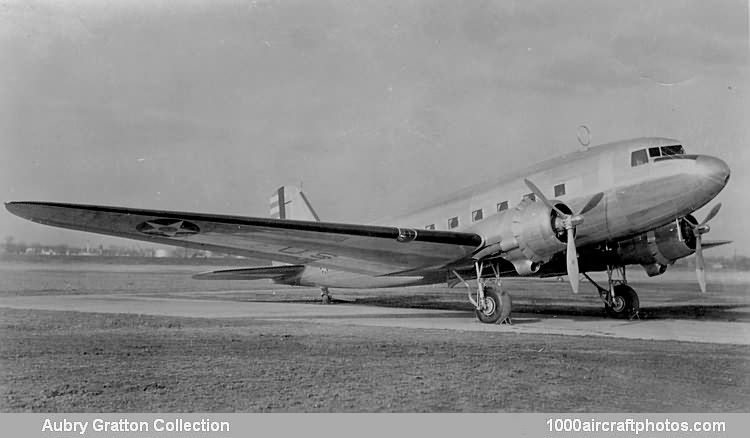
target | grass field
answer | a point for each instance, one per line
(55, 361)
(69, 361)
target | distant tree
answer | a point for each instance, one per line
(8, 244)
(12, 247)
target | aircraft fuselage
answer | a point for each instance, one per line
(644, 183)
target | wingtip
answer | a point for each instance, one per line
(20, 208)
(10, 204)
(13, 208)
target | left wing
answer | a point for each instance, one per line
(365, 249)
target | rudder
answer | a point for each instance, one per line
(289, 202)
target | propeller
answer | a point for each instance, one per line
(699, 230)
(569, 222)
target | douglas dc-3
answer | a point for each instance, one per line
(598, 209)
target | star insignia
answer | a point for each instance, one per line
(168, 228)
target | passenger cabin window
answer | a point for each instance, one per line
(430, 227)
(530, 196)
(502, 206)
(476, 215)
(638, 157)
(560, 190)
(453, 222)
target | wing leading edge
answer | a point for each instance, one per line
(365, 249)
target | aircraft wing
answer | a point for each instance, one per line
(365, 249)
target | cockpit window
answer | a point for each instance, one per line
(672, 150)
(638, 157)
(656, 153)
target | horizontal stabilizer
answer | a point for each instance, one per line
(260, 273)
(713, 243)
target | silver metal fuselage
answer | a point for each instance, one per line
(635, 199)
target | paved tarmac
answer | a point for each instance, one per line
(690, 330)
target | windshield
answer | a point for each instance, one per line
(672, 150)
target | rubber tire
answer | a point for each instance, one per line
(631, 303)
(501, 306)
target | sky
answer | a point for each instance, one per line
(373, 106)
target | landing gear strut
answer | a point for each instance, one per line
(325, 297)
(491, 303)
(620, 300)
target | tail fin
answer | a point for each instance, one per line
(290, 203)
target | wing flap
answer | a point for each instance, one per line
(366, 249)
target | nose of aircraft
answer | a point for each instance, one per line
(713, 169)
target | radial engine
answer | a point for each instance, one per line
(657, 249)
(526, 235)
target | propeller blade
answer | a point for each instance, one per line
(700, 264)
(543, 198)
(710, 215)
(570, 224)
(572, 259)
(593, 202)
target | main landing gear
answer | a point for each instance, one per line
(325, 297)
(491, 303)
(620, 300)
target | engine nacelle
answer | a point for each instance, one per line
(527, 235)
(659, 248)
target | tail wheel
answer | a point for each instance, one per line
(625, 303)
(496, 307)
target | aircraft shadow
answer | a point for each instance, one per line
(714, 312)
(707, 312)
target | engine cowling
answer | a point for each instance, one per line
(659, 248)
(526, 235)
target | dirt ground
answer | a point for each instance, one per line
(69, 361)
(58, 361)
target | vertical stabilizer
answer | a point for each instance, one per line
(291, 203)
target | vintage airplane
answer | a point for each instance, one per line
(613, 205)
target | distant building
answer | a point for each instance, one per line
(160, 253)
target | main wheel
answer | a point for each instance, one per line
(625, 303)
(496, 306)
(325, 298)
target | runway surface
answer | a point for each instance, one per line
(689, 330)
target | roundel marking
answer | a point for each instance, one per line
(168, 228)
